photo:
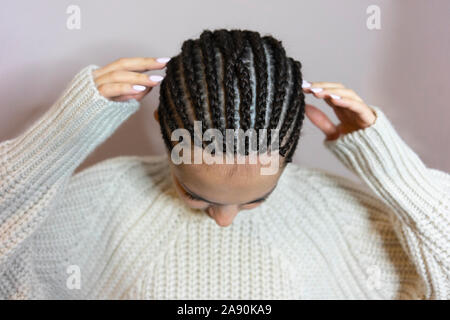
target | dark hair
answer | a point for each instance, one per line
(231, 79)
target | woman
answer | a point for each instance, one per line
(147, 228)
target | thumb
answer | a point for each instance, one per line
(321, 121)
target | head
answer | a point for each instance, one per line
(230, 81)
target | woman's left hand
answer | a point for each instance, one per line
(350, 109)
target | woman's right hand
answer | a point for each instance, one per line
(122, 79)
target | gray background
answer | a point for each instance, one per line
(402, 68)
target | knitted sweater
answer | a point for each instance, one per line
(120, 229)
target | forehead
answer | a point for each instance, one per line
(225, 171)
(226, 183)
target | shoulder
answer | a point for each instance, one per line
(295, 175)
(339, 205)
(339, 194)
(442, 177)
(123, 168)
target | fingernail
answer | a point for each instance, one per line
(163, 60)
(138, 87)
(306, 84)
(315, 90)
(156, 78)
(335, 96)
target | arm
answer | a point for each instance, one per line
(42, 205)
(36, 166)
(418, 197)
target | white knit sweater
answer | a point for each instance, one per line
(120, 227)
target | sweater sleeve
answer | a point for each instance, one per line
(37, 165)
(417, 197)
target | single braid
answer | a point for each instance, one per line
(243, 75)
(163, 124)
(295, 134)
(230, 57)
(261, 75)
(176, 92)
(164, 114)
(209, 61)
(293, 102)
(190, 79)
(280, 83)
(194, 84)
(191, 83)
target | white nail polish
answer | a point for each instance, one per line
(306, 84)
(315, 90)
(163, 60)
(335, 96)
(156, 78)
(138, 87)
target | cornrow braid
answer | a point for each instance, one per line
(206, 43)
(189, 77)
(243, 83)
(294, 137)
(229, 58)
(163, 122)
(193, 80)
(280, 83)
(261, 77)
(243, 76)
(177, 94)
(234, 79)
(292, 101)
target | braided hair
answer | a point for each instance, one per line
(233, 79)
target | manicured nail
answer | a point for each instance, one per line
(334, 96)
(306, 84)
(138, 87)
(163, 60)
(156, 78)
(315, 90)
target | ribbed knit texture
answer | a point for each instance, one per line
(318, 236)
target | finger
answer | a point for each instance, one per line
(121, 76)
(124, 98)
(110, 90)
(131, 64)
(355, 106)
(313, 87)
(336, 93)
(320, 120)
(128, 97)
(322, 84)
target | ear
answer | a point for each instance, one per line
(155, 114)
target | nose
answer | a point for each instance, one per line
(223, 215)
